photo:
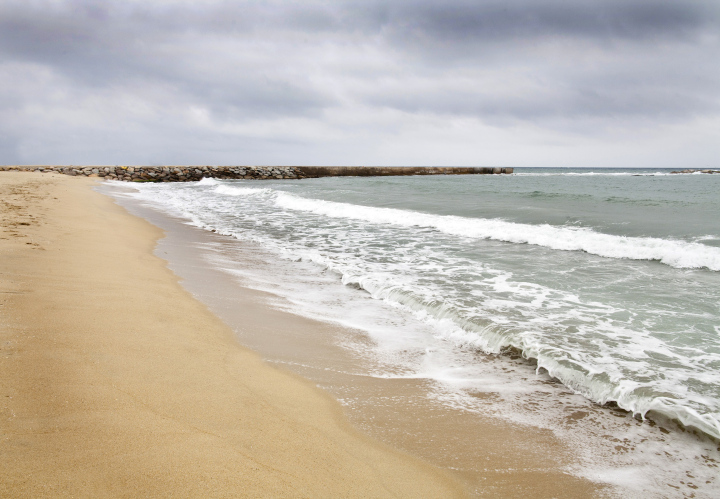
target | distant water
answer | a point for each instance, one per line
(609, 278)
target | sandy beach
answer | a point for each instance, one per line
(359, 249)
(135, 360)
(116, 382)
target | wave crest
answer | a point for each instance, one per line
(675, 253)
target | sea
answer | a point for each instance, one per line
(602, 283)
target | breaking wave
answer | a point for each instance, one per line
(675, 253)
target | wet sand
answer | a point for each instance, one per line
(116, 382)
(490, 455)
(521, 434)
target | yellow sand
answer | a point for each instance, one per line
(115, 382)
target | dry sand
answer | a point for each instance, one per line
(115, 381)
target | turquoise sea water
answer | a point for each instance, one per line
(610, 279)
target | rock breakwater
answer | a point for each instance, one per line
(195, 173)
(171, 173)
(388, 171)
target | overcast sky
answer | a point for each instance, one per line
(613, 83)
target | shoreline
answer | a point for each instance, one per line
(117, 382)
(580, 453)
(491, 456)
(491, 430)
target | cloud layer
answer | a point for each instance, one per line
(520, 83)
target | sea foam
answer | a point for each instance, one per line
(675, 253)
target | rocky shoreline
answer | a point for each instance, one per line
(195, 173)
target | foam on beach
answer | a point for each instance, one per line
(620, 318)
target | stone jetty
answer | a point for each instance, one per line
(383, 171)
(195, 173)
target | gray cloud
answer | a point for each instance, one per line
(496, 20)
(99, 45)
(218, 78)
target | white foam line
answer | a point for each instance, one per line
(678, 254)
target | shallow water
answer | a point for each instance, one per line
(610, 281)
